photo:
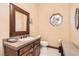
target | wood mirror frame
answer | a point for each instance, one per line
(13, 32)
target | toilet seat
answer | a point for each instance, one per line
(44, 43)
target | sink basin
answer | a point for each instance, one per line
(27, 38)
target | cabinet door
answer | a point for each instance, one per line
(26, 49)
(37, 50)
(29, 54)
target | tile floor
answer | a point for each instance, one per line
(49, 52)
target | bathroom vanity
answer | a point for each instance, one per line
(19, 26)
(28, 47)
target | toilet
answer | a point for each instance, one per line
(44, 48)
(44, 43)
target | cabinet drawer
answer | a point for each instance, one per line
(28, 53)
(26, 48)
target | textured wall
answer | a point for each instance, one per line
(47, 31)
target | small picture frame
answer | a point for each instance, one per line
(56, 19)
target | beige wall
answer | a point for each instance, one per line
(4, 20)
(4, 24)
(47, 31)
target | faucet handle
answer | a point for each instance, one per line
(21, 36)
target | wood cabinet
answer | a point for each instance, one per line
(36, 48)
(31, 49)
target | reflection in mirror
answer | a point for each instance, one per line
(21, 21)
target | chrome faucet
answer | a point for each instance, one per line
(23, 36)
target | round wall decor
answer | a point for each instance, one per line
(56, 19)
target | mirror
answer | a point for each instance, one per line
(56, 19)
(19, 21)
(77, 18)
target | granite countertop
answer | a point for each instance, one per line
(20, 43)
